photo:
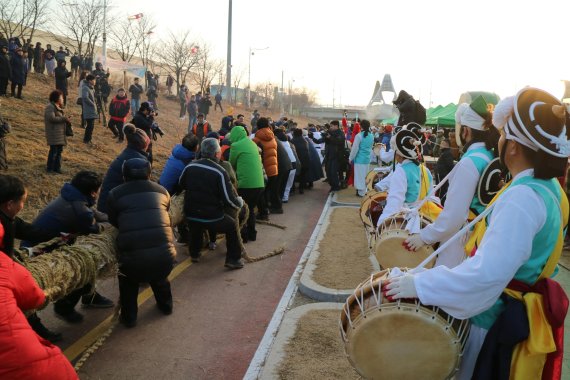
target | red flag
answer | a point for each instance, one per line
(194, 49)
(135, 17)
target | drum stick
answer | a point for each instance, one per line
(454, 237)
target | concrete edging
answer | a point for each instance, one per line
(287, 331)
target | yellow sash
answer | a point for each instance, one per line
(529, 356)
(429, 209)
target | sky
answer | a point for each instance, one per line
(435, 50)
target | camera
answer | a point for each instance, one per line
(155, 128)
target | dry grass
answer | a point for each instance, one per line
(27, 149)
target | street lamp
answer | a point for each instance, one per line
(291, 81)
(251, 52)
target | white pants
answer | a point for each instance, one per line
(360, 171)
(472, 347)
(289, 184)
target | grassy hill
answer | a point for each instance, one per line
(27, 150)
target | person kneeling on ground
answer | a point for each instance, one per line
(208, 191)
(72, 212)
(145, 244)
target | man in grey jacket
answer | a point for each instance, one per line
(89, 107)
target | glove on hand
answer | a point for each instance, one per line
(414, 242)
(401, 287)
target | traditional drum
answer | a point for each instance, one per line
(400, 339)
(390, 251)
(371, 208)
(374, 176)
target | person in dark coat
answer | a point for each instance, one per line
(38, 58)
(143, 119)
(89, 108)
(137, 143)
(444, 165)
(72, 213)
(30, 49)
(61, 74)
(302, 149)
(284, 166)
(315, 168)
(205, 104)
(181, 155)
(55, 124)
(145, 244)
(19, 72)
(5, 70)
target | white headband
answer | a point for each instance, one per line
(465, 115)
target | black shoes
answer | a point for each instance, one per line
(96, 301)
(166, 309)
(262, 216)
(234, 264)
(195, 259)
(72, 316)
(127, 323)
(41, 330)
(276, 211)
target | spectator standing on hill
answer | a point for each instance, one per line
(139, 210)
(75, 64)
(119, 110)
(205, 104)
(3, 40)
(144, 119)
(55, 125)
(182, 99)
(201, 128)
(49, 50)
(218, 99)
(30, 50)
(5, 129)
(89, 107)
(5, 70)
(152, 95)
(50, 62)
(61, 54)
(61, 74)
(136, 90)
(192, 108)
(19, 72)
(169, 84)
(38, 60)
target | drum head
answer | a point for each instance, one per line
(391, 253)
(402, 342)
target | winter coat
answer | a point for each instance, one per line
(5, 66)
(192, 108)
(24, 355)
(54, 121)
(444, 164)
(19, 69)
(119, 108)
(71, 212)
(75, 61)
(246, 161)
(302, 148)
(114, 175)
(208, 191)
(265, 138)
(205, 104)
(143, 122)
(88, 100)
(136, 90)
(61, 75)
(145, 244)
(283, 160)
(179, 158)
(315, 168)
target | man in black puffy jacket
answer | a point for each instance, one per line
(208, 191)
(145, 245)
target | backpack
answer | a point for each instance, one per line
(420, 113)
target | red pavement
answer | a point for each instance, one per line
(219, 316)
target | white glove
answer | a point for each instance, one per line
(240, 202)
(401, 287)
(414, 242)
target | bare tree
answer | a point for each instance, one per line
(207, 68)
(179, 55)
(83, 24)
(265, 92)
(143, 30)
(20, 18)
(237, 77)
(124, 40)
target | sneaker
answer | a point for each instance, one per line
(96, 301)
(70, 317)
(212, 246)
(234, 264)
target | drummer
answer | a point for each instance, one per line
(479, 139)
(409, 177)
(520, 248)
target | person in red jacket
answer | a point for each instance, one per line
(23, 353)
(119, 110)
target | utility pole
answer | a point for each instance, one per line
(104, 33)
(229, 55)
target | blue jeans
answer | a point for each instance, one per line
(135, 105)
(192, 120)
(54, 158)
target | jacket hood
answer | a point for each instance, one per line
(181, 153)
(265, 134)
(71, 194)
(237, 134)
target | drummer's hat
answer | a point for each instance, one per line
(406, 143)
(490, 182)
(473, 115)
(535, 119)
(418, 131)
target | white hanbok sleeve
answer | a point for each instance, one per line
(462, 186)
(386, 156)
(396, 195)
(355, 147)
(384, 183)
(475, 285)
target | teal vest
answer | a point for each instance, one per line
(542, 245)
(413, 177)
(364, 149)
(481, 157)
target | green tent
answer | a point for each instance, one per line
(442, 116)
